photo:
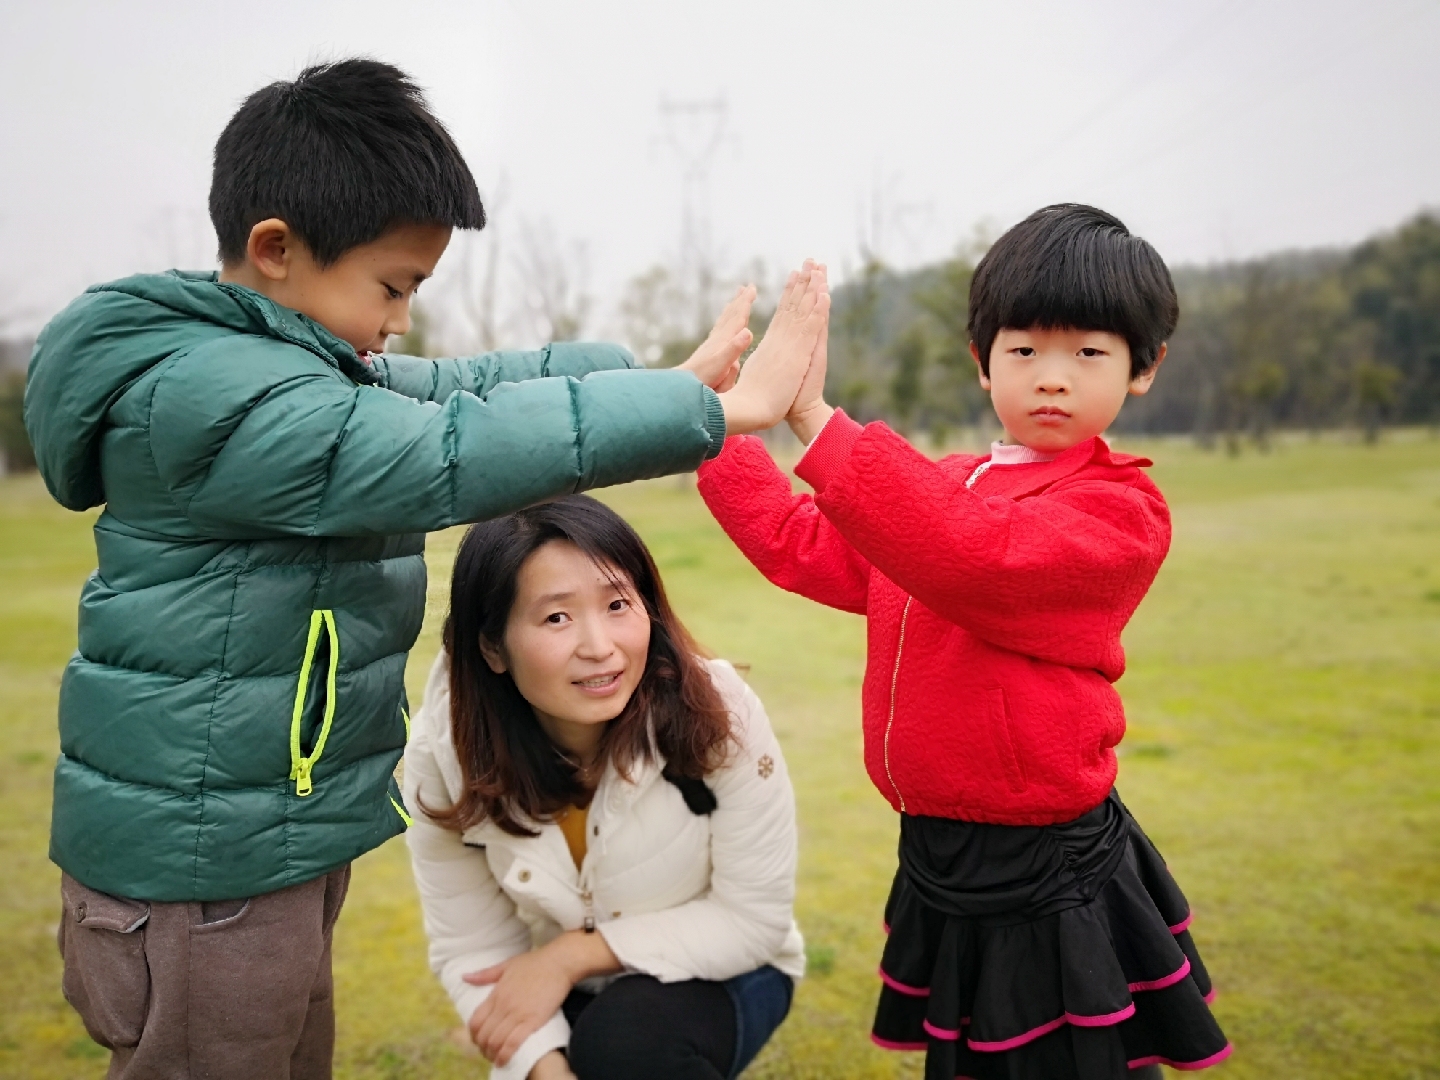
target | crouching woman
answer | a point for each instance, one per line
(604, 829)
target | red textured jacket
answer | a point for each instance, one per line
(994, 613)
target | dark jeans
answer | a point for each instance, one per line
(639, 1028)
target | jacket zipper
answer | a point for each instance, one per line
(894, 685)
(301, 765)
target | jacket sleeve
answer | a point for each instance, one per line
(280, 445)
(436, 380)
(1055, 576)
(744, 919)
(470, 923)
(783, 534)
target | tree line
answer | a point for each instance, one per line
(1307, 340)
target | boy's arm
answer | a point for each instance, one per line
(272, 451)
(783, 534)
(436, 380)
(1055, 576)
(280, 446)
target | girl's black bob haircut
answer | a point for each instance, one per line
(1073, 266)
(341, 154)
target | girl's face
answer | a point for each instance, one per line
(576, 642)
(1053, 389)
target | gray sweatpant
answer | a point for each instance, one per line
(234, 990)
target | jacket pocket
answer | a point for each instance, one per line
(107, 977)
(1002, 741)
(326, 650)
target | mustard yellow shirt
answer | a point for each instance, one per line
(572, 823)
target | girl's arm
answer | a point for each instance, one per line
(1055, 576)
(470, 923)
(748, 912)
(783, 534)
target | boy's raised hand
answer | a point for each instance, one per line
(771, 378)
(716, 362)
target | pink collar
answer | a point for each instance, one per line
(1015, 454)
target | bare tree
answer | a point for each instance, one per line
(554, 304)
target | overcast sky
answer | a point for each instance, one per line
(1217, 129)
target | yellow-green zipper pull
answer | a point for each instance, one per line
(301, 776)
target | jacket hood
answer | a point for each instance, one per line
(109, 336)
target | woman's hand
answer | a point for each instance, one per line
(530, 988)
(716, 362)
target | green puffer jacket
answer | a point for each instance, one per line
(235, 711)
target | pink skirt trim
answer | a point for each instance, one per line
(1168, 980)
(1019, 1040)
(1208, 998)
(886, 1044)
(1044, 1029)
(901, 988)
(1183, 925)
(1184, 1066)
(1108, 1020)
(943, 1033)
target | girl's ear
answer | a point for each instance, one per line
(494, 657)
(979, 368)
(1141, 383)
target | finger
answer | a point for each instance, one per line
(486, 976)
(487, 1032)
(792, 286)
(738, 344)
(514, 1039)
(737, 312)
(731, 378)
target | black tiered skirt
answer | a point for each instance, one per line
(1057, 952)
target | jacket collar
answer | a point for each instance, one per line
(202, 295)
(1026, 480)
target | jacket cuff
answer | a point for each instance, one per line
(554, 1034)
(714, 422)
(829, 450)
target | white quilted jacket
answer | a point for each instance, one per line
(677, 895)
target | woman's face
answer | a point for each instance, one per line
(575, 643)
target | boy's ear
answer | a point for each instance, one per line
(493, 656)
(1141, 383)
(979, 368)
(271, 248)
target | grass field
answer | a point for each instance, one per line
(1283, 752)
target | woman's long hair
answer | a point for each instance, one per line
(513, 774)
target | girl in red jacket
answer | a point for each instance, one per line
(1034, 931)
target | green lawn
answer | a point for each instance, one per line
(1284, 753)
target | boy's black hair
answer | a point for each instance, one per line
(1073, 266)
(340, 155)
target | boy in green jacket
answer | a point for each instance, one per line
(231, 721)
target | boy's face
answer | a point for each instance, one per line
(1053, 389)
(363, 297)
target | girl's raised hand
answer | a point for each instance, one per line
(809, 412)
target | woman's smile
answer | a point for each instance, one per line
(600, 685)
